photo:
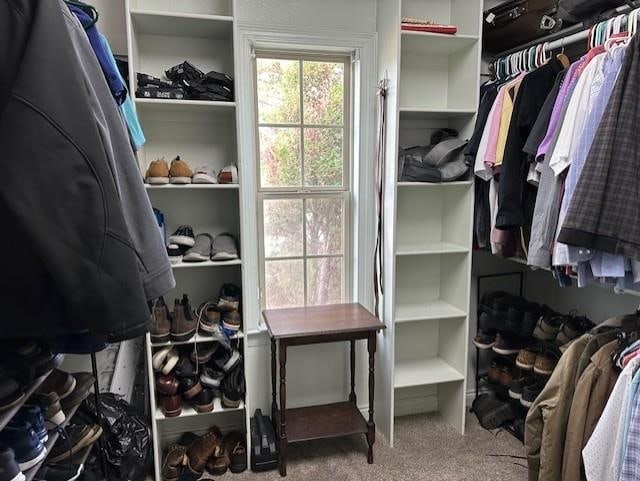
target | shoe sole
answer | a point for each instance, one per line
(483, 346)
(217, 472)
(172, 414)
(85, 442)
(526, 367)
(68, 392)
(173, 260)
(13, 403)
(223, 257)
(232, 362)
(182, 240)
(203, 408)
(210, 382)
(542, 372)
(513, 395)
(195, 257)
(160, 339)
(526, 404)
(505, 352)
(238, 467)
(157, 180)
(170, 363)
(56, 420)
(159, 358)
(231, 327)
(19, 477)
(32, 462)
(203, 179)
(180, 180)
(182, 337)
(229, 404)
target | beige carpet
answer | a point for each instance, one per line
(426, 448)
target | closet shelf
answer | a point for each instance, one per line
(153, 22)
(423, 372)
(186, 265)
(433, 310)
(419, 113)
(193, 187)
(438, 184)
(427, 42)
(173, 105)
(188, 411)
(429, 248)
(6, 416)
(199, 338)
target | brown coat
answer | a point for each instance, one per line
(547, 418)
(589, 399)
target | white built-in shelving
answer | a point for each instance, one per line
(161, 34)
(433, 84)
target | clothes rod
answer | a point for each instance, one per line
(570, 35)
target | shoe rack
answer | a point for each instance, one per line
(161, 34)
(433, 84)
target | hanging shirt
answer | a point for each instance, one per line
(486, 103)
(630, 470)
(539, 129)
(510, 94)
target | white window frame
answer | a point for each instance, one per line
(302, 192)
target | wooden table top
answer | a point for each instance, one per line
(320, 320)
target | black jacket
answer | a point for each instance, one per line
(67, 263)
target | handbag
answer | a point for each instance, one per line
(519, 21)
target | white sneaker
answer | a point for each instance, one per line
(205, 175)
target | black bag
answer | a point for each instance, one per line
(519, 21)
(578, 10)
(264, 449)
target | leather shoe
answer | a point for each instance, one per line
(202, 449)
(173, 462)
(203, 402)
(190, 387)
(167, 384)
(171, 406)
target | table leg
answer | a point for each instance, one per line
(274, 379)
(283, 409)
(352, 396)
(371, 435)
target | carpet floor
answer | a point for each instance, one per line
(426, 449)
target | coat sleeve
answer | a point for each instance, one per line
(533, 438)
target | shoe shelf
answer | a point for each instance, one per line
(7, 415)
(198, 338)
(423, 372)
(418, 113)
(427, 311)
(154, 22)
(443, 185)
(188, 411)
(427, 248)
(53, 437)
(186, 265)
(428, 42)
(175, 105)
(184, 8)
(178, 187)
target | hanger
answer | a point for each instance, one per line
(564, 60)
(86, 8)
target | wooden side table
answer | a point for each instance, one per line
(317, 325)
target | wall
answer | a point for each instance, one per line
(111, 23)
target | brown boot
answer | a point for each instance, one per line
(180, 172)
(183, 324)
(202, 449)
(173, 463)
(160, 322)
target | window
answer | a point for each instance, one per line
(304, 164)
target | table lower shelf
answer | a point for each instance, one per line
(322, 422)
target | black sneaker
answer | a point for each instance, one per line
(517, 385)
(229, 298)
(233, 388)
(507, 345)
(491, 412)
(183, 236)
(60, 472)
(485, 339)
(547, 327)
(530, 393)
(175, 252)
(9, 469)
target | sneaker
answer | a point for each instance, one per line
(211, 377)
(10, 393)
(209, 317)
(231, 321)
(485, 339)
(190, 387)
(165, 359)
(180, 172)
(9, 469)
(60, 472)
(73, 440)
(205, 175)
(572, 328)
(233, 388)
(526, 359)
(226, 360)
(175, 253)
(485, 386)
(202, 354)
(506, 344)
(547, 327)
(60, 382)
(160, 322)
(491, 412)
(201, 250)
(51, 409)
(229, 298)
(530, 393)
(157, 173)
(183, 321)
(26, 444)
(183, 236)
(529, 319)
(32, 414)
(203, 402)
(546, 363)
(506, 376)
(225, 248)
(495, 369)
(228, 175)
(517, 385)
(84, 382)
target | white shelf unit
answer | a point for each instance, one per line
(433, 84)
(161, 34)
